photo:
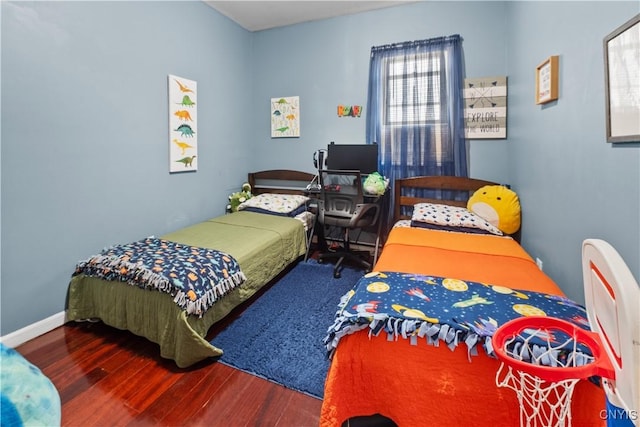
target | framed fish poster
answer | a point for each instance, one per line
(183, 129)
(285, 117)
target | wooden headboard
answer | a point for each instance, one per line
(280, 181)
(461, 188)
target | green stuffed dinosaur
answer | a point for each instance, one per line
(236, 198)
(375, 184)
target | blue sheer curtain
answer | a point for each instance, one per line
(415, 108)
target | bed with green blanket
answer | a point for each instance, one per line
(263, 245)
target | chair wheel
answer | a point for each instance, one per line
(320, 261)
(337, 274)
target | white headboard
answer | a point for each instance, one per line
(612, 298)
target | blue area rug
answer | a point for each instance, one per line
(279, 336)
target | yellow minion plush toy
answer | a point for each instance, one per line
(498, 205)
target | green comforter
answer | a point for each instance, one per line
(262, 244)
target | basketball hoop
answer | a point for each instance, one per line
(542, 359)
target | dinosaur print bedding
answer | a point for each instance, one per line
(195, 277)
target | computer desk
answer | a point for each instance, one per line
(382, 200)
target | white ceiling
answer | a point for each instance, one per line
(262, 15)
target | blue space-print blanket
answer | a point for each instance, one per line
(195, 277)
(441, 309)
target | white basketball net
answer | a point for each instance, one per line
(542, 402)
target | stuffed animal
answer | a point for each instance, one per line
(498, 205)
(375, 184)
(236, 198)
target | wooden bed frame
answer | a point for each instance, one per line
(280, 181)
(459, 189)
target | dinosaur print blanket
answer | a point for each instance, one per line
(446, 310)
(195, 277)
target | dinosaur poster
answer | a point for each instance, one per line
(285, 117)
(183, 129)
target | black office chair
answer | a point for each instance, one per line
(342, 204)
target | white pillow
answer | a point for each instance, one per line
(283, 204)
(451, 218)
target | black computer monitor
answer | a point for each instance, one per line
(362, 157)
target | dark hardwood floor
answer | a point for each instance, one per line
(109, 377)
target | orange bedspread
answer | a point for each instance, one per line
(423, 385)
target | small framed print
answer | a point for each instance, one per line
(547, 80)
(285, 117)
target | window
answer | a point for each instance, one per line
(414, 88)
(415, 107)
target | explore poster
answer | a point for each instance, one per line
(485, 108)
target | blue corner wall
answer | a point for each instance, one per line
(84, 141)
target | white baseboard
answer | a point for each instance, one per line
(34, 330)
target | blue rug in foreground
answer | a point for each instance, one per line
(279, 336)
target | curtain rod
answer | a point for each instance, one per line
(424, 42)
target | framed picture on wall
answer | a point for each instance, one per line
(547, 80)
(485, 107)
(183, 128)
(622, 82)
(285, 117)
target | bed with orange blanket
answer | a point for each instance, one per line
(421, 384)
